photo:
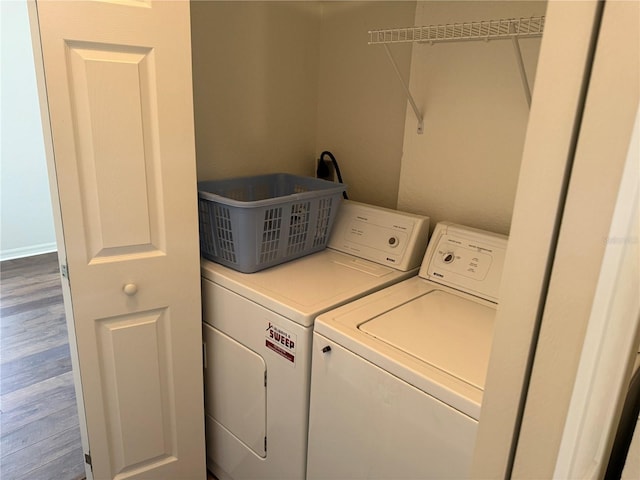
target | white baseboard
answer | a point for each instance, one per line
(29, 251)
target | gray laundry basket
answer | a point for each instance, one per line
(251, 223)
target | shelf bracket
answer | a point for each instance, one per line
(406, 91)
(523, 72)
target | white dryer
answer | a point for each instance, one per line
(398, 376)
(258, 335)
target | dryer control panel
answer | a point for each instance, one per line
(381, 235)
(466, 259)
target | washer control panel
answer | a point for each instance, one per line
(465, 258)
(381, 235)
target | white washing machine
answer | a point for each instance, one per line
(258, 335)
(397, 376)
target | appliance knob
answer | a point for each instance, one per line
(448, 257)
(393, 241)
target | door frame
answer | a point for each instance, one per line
(505, 445)
(588, 336)
(552, 133)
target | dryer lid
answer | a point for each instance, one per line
(450, 333)
(304, 288)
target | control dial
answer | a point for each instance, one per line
(393, 241)
(448, 257)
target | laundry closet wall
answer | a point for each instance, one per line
(361, 103)
(255, 84)
(465, 166)
(276, 83)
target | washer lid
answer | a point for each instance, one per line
(447, 331)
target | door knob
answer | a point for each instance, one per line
(130, 289)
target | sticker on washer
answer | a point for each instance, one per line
(281, 342)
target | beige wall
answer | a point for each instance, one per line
(464, 168)
(255, 82)
(276, 83)
(361, 104)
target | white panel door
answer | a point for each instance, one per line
(119, 104)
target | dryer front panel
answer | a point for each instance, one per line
(257, 385)
(238, 373)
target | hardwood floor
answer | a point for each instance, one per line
(39, 432)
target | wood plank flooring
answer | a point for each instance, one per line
(39, 432)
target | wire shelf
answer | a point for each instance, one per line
(483, 30)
